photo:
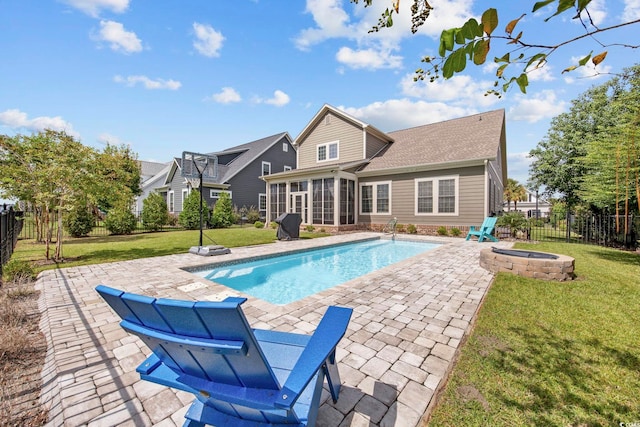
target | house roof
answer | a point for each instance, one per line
(246, 153)
(472, 138)
(328, 108)
(150, 169)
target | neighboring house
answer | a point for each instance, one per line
(239, 173)
(528, 207)
(352, 175)
(151, 178)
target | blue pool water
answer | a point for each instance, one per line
(287, 278)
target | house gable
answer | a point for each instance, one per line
(334, 137)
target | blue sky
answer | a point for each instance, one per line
(202, 75)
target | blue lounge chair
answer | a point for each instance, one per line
(240, 376)
(485, 230)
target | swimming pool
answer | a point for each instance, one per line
(286, 278)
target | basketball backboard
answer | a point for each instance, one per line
(195, 165)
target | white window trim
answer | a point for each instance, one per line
(215, 193)
(287, 168)
(260, 196)
(326, 145)
(436, 196)
(285, 147)
(375, 197)
(185, 194)
(262, 170)
(171, 201)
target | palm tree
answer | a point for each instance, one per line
(514, 191)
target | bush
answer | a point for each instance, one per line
(79, 221)
(16, 271)
(273, 225)
(120, 219)
(154, 212)
(258, 224)
(253, 214)
(442, 231)
(455, 232)
(514, 220)
(223, 215)
(310, 228)
(189, 218)
(411, 229)
(400, 228)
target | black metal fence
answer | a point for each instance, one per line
(587, 228)
(10, 229)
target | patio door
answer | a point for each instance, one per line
(299, 205)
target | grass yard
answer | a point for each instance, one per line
(97, 250)
(549, 353)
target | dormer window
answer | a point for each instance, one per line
(328, 151)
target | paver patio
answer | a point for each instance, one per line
(407, 325)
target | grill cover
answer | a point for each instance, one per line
(288, 226)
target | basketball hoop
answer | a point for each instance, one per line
(202, 167)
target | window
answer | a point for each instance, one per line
(285, 147)
(347, 201)
(171, 201)
(437, 196)
(215, 194)
(262, 202)
(287, 168)
(266, 168)
(375, 198)
(322, 203)
(185, 194)
(328, 151)
(277, 200)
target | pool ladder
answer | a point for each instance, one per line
(390, 228)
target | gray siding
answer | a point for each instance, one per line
(470, 204)
(350, 146)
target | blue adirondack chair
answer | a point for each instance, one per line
(239, 376)
(485, 230)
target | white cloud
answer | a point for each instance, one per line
(93, 7)
(148, 83)
(119, 39)
(226, 96)
(16, 120)
(404, 113)
(597, 12)
(533, 108)
(208, 41)
(518, 165)
(460, 90)
(540, 74)
(107, 138)
(279, 99)
(331, 20)
(631, 10)
(370, 59)
(587, 71)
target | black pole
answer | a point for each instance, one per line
(201, 208)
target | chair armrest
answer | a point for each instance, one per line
(322, 344)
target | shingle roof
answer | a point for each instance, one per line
(468, 138)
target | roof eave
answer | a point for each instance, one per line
(422, 167)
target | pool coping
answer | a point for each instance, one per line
(409, 321)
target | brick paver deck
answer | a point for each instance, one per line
(407, 325)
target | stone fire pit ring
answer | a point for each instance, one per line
(537, 265)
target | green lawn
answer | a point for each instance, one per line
(96, 250)
(553, 354)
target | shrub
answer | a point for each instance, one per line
(322, 230)
(253, 214)
(120, 219)
(310, 228)
(223, 216)
(154, 212)
(411, 229)
(442, 231)
(16, 271)
(273, 225)
(400, 228)
(189, 218)
(455, 231)
(79, 221)
(514, 220)
(258, 224)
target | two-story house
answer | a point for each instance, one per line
(352, 175)
(239, 173)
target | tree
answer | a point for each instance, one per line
(119, 172)
(51, 171)
(514, 191)
(79, 220)
(189, 218)
(154, 212)
(475, 40)
(120, 219)
(223, 211)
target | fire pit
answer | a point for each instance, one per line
(538, 265)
